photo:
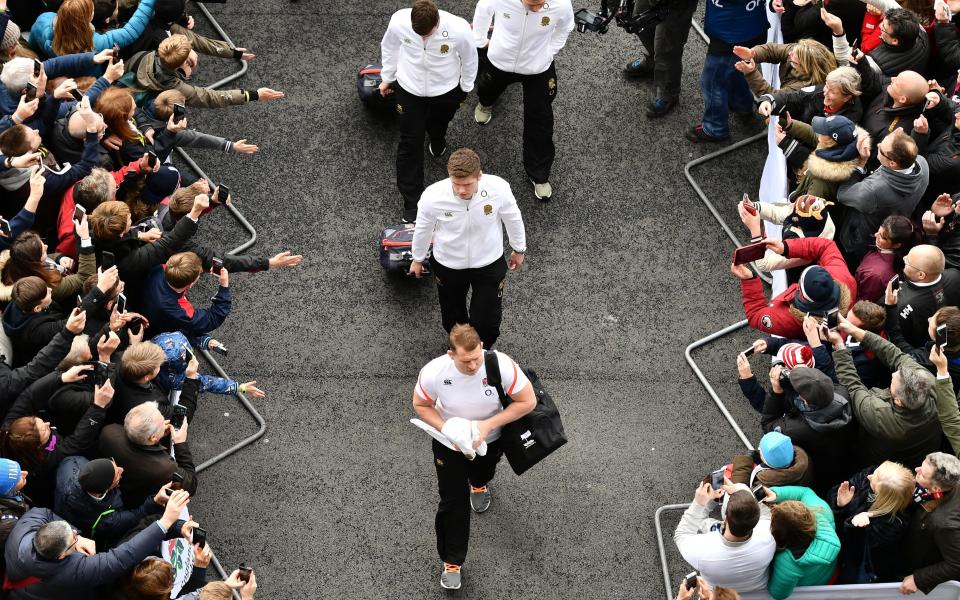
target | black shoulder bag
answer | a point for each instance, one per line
(532, 437)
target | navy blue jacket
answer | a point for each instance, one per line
(735, 22)
(104, 520)
(169, 310)
(77, 576)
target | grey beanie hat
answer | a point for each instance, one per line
(812, 385)
(11, 36)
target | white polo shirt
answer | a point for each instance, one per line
(455, 394)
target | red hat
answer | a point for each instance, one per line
(794, 355)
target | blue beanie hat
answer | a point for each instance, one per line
(776, 450)
(817, 292)
(9, 475)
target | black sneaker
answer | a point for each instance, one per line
(697, 134)
(409, 215)
(641, 67)
(660, 107)
(439, 152)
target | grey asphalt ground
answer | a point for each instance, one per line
(625, 269)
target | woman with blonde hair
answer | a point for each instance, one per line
(870, 513)
(803, 63)
(70, 30)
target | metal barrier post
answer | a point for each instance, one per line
(706, 384)
(667, 582)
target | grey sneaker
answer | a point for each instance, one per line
(450, 578)
(437, 152)
(543, 191)
(482, 114)
(479, 498)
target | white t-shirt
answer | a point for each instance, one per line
(455, 394)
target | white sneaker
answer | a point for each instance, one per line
(543, 191)
(482, 114)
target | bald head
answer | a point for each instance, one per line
(908, 88)
(76, 126)
(925, 262)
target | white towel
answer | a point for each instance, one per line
(458, 434)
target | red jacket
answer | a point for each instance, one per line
(66, 236)
(775, 318)
(870, 32)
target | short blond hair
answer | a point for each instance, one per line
(109, 220)
(463, 337)
(182, 269)
(216, 590)
(163, 105)
(174, 51)
(140, 360)
(463, 163)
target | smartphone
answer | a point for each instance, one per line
(749, 253)
(690, 581)
(77, 94)
(151, 159)
(31, 91)
(5, 227)
(223, 192)
(37, 67)
(100, 372)
(216, 265)
(179, 414)
(176, 478)
(244, 574)
(220, 349)
(168, 491)
(179, 112)
(107, 260)
(716, 479)
(833, 319)
(750, 351)
(116, 54)
(79, 300)
(200, 537)
(749, 205)
(121, 304)
(942, 335)
(759, 492)
(895, 283)
(79, 212)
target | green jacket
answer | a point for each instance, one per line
(949, 413)
(819, 561)
(888, 431)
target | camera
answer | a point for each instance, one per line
(622, 15)
(179, 414)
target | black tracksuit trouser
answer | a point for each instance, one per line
(419, 115)
(486, 302)
(454, 474)
(538, 93)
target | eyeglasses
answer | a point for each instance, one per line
(76, 538)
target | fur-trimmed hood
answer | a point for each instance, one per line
(834, 172)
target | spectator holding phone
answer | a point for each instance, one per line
(139, 368)
(68, 31)
(62, 565)
(154, 116)
(823, 287)
(166, 304)
(899, 423)
(925, 287)
(933, 544)
(703, 591)
(39, 449)
(947, 321)
(735, 552)
(88, 497)
(179, 358)
(870, 512)
(873, 318)
(223, 590)
(776, 461)
(28, 258)
(136, 447)
(947, 408)
(895, 237)
(23, 219)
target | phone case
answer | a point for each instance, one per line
(749, 253)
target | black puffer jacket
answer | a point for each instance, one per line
(893, 60)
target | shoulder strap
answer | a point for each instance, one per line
(492, 364)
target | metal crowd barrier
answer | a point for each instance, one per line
(884, 591)
(262, 424)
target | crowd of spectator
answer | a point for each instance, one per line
(856, 477)
(98, 377)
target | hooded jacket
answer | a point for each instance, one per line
(30, 332)
(888, 431)
(818, 562)
(800, 471)
(77, 576)
(104, 520)
(871, 199)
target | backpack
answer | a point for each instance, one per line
(396, 249)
